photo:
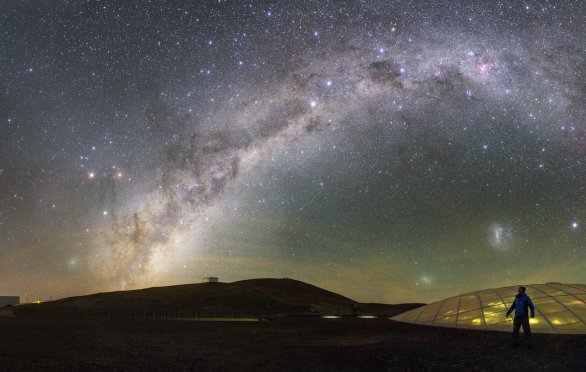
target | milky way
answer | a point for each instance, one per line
(387, 151)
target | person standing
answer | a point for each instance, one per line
(521, 305)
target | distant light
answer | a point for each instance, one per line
(105, 213)
(331, 316)
(329, 83)
(575, 225)
(91, 175)
(313, 104)
(368, 316)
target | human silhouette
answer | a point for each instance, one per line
(521, 305)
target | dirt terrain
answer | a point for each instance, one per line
(289, 344)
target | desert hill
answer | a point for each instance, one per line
(268, 297)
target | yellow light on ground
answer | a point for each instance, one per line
(476, 321)
(533, 321)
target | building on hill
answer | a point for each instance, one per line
(9, 300)
(211, 279)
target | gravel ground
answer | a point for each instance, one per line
(290, 344)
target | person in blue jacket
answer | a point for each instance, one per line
(521, 305)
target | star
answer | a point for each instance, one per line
(450, 136)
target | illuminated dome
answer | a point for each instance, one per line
(559, 308)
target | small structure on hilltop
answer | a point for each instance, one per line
(7, 304)
(211, 279)
(9, 300)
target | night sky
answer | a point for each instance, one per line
(390, 151)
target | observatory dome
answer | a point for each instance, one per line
(559, 308)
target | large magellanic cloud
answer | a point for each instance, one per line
(447, 101)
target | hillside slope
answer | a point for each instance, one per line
(254, 296)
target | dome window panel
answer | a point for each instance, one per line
(559, 308)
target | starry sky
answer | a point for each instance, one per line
(390, 151)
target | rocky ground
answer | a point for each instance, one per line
(290, 344)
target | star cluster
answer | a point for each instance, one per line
(389, 151)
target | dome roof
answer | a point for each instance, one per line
(559, 308)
